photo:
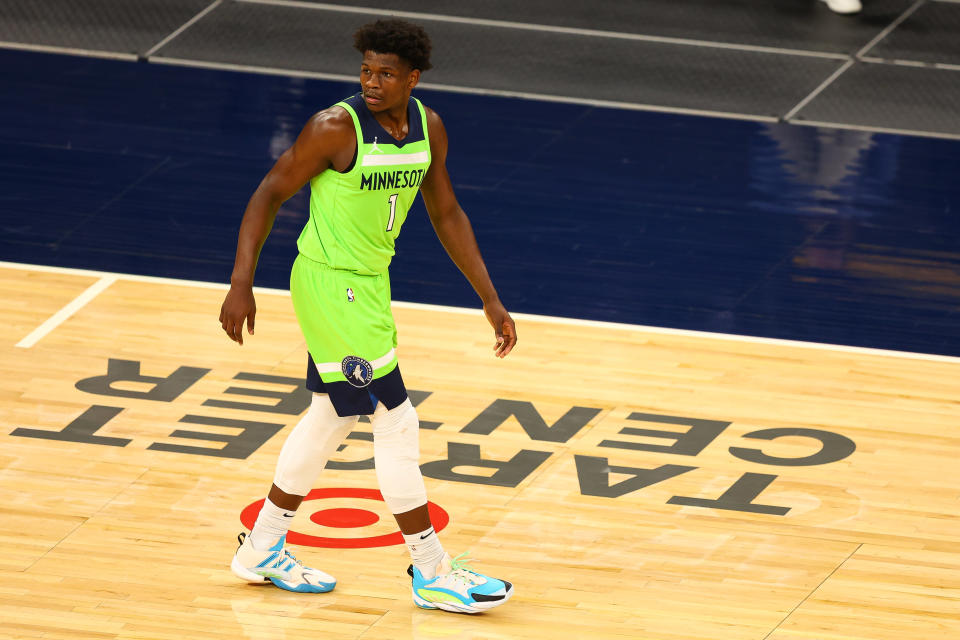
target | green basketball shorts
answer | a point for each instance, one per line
(351, 336)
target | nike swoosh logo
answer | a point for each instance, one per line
(426, 536)
(289, 515)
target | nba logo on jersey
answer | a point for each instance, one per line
(350, 297)
(357, 371)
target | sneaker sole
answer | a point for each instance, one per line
(253, 578)
(478, 607)
(245, 574)
(304, 587)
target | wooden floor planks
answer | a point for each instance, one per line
(612, 528)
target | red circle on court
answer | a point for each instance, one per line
(345, 518)
(438, 517)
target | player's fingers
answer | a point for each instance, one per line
(238, 331)
(510, 338)
(227, 328)
(250, 319)
(232, 327)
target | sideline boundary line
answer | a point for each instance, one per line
(68, 310)
(876, 129)
(520, 316)
(451, 88)
(69, 51)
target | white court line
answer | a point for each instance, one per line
(249, 68)
(86, 53)
(531, 26)
(520, 316)
(890, 27)
(182, 28)
(913, 63)
(903, 132)
(630, 106)
(59, 317)
(823, 85)
(339, 77)
(836, 74)
(455, 89)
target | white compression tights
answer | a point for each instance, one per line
(309, 446)
(396, 452)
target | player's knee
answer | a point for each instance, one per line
(396, 451)
(309, 446)
(396, 433)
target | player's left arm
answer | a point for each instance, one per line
(456, 234)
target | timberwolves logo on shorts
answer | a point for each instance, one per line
(358, 371)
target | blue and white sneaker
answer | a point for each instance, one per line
(458, 588)
(279, 566)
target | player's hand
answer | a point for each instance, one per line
(238, 306)
(503, 326)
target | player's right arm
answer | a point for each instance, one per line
(327, 141)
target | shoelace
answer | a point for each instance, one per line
(461, 568)
(283, 557)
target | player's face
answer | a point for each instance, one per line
(386, 80)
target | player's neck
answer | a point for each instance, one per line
(394, 120)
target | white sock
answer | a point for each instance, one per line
(272, 523)
(425, 551)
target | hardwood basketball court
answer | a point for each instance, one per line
(806, 491)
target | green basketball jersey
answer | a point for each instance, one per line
(355, 217)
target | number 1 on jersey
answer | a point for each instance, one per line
(393, 211)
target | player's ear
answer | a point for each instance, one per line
(413, 79)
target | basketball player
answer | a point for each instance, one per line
(365, 158)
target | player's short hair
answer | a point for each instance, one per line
(407, 40)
